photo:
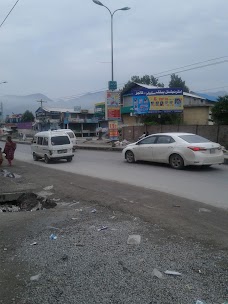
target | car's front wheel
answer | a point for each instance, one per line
(69, 159)
(129, 155)
(176, 161)
(46, 159)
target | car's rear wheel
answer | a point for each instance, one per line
(69, 159)
(176, 161)
(46, 159)
(35, 158)
(129, 155)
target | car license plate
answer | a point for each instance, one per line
(62, 151)
(212, 151)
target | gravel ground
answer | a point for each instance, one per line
(84, 265)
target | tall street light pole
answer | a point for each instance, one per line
(111, 14)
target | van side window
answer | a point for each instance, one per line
(45, 141)
(40, 140)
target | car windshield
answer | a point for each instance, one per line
(60, 140)
(194, 138)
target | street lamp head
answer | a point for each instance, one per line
(125, 8)
(98, 2)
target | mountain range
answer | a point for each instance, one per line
(19, 104)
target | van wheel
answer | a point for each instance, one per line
(46, 159)
(176, 161)
(35, 158)
(69, 159)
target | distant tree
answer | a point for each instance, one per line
(220, 111)
(27, 116)
(146, 79)
(154, 81)
(177, 82)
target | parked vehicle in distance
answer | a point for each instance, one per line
(71, 135)
(176, 149)
(52, 145)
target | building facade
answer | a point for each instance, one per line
(82, 122)
(196, 107)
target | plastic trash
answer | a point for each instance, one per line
(204, 210)
(94, 211)
(36, 277)
(174, 273)
(157, 273)
(102, 228)
(134, 239)
(48, 188)
(200, 302)
(53, 237)
(35, 243)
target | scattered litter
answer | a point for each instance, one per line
(177, 206)
(112, 217)
(5, 249)
(131, 202)
(157, 273)
(174, 273)
(55, 228)
(190, 287)
(6, 173)
(94, 211)
(48, 188)
(204, 210)
(199, 271)
(134, 239)
(200, 302)
(102, 228)
(79, 245)
(35, 243)
(64, 257)
(80, 210)
(53, 237)
(36, 277)
(44, 194)
(56, 199)
(74, 218)
(76, 202)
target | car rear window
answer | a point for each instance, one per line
(60, 140)
(194, 139)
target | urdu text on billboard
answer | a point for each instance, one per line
(163, 100)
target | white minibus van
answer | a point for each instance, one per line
(52, 145)
(71, 135)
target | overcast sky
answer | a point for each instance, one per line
(57, 47)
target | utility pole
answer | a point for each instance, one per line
(41, 102)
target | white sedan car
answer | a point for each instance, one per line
(176, 149)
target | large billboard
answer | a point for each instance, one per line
(164, 100)
(113, 105)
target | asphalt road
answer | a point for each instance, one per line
(204, 185)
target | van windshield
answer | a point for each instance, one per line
(60, 140)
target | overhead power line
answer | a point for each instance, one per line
(195, 68)
(185, 66)
(9, 13)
